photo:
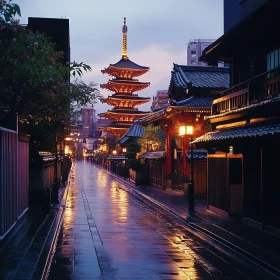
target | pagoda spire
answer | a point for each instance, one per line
(124, 40)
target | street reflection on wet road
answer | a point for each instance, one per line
(107, 234)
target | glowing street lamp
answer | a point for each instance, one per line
(114, 152)
(66, 150)
(124, 150)
(185, 130)
(188, 130)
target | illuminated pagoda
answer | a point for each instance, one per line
(124, 85)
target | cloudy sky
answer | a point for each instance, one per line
(158, 33)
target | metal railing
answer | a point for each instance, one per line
(254, 90)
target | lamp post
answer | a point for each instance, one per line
(188, 130)
(114, 152)
(124, 170)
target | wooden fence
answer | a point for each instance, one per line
(14, 160)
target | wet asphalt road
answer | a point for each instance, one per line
(107, 234)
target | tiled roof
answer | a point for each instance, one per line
(153, 116)
(198, 154)
(128, 64)
(191, 102)
(238, 133)
(200, 76)
(123, 139)
(194, 101)
(136, 130)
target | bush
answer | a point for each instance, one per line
(137, 165)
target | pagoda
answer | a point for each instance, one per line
(124, 85)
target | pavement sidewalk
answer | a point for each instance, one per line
(25, 249)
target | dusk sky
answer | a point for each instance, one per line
(158, 33)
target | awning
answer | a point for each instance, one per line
(197, 154)
(239, 133)
(120, 157)
(153, 155)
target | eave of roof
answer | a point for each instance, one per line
(128, 97)
(194, 101)
(239, 133)
(153, 116)
(197, 154)
(125, 82)
(123, 139)
(153, 155)
(128, 64)
(136, 130)
(191, 104)
(124, 111)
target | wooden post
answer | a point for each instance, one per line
(185, 173)
(168, 160)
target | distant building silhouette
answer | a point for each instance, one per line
(195, 49)
(88, 120)
(160, 99)
(57, 29)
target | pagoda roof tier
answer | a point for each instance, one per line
(123, 115)
(124, 86)
(125, 68)
(116, 131)
(125, 100)
(120, 124)
(117, 128)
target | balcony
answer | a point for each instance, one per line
(255, 90)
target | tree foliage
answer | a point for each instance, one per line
(34, 82)
(153, 138)
(7, 11)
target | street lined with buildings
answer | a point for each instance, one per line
(107, 227)
(110, 233)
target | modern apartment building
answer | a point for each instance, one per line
(160, 99)
(88, 121)
(195, 49)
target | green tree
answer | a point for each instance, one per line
(34, 83)
(33, 80)
(153, 138)
(7, 12)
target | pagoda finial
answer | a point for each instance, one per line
(124, 40)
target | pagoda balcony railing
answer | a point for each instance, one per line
(257, 89)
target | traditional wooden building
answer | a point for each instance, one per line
(191, 91)
(243, 154)
(124, 85)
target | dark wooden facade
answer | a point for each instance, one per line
(245, 122)
(157, 178)
(191, 91)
